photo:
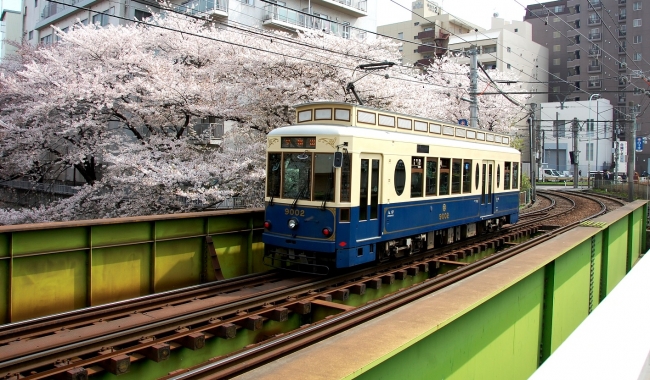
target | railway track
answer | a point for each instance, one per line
(112, 337)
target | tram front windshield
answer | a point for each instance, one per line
(306, 176)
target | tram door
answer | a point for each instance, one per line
(487, 183)
(369, 223)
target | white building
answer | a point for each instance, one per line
(332, 16)
(594, 137)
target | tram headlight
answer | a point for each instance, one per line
(293, 223)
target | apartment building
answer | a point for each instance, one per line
(508, 47)
(10, 30)
(427, 34)
(598, 47)
(339, 17)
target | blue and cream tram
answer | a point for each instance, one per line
(348, 185)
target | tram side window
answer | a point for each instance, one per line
(297, 176)
(417, 176)
(467, 176)
(444, 176)
(363, 189)
(432, 176)
(515, 175)
(506, 174)
(324, 177)
(498, 175)
(400, 177)
(346, 178)
(476, 176)
(273, 175)
(457, 164)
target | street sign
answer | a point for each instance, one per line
(639, 144)
(462, 122)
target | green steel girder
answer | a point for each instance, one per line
(56, 267)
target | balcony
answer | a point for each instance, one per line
(204, 7)
(595, 4)
(621, 99)
(424, 62)
(594, 83)
(621, 49)
(622, 33)
(622, 18)
(594, 52)
(284, 18)
(595, 36)
(594, 68)
(354, 8)
(622, 2)
(427, 34)
(593, 21)
(51, 9)
(622, 66)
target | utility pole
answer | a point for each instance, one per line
(576, 153)
(473, 87)
(631, 157)
(557, 141)
(531, 123)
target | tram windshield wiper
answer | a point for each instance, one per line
(302, 189)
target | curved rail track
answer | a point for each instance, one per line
(110, 337)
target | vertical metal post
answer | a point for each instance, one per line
(631, 158)
(473, 87)
(576, 152)
(557, 140)
(589, 132)
(531, 122)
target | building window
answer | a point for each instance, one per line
(508, 49)
(508, 65)
(559, 8)
(141, 15)
(556, 34)
(637, 22)
(636, 6)
(556, 61)
(489, 49)
(84, 21)
(248, 2)
(577, 8)
(400, 35)
(637, 39)
(516, 30)
(65, 30)
(31, 34)
(35, 3)
(577, 24)
(637, 56)
(47, 40)
(101, 19)
(557, 47)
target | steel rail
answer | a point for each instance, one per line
(223, 309)
(247, 359)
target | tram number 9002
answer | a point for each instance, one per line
(294, 212)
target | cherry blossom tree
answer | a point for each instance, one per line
(118, 105)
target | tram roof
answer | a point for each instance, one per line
(348, 114)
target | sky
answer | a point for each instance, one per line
(478, 12)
